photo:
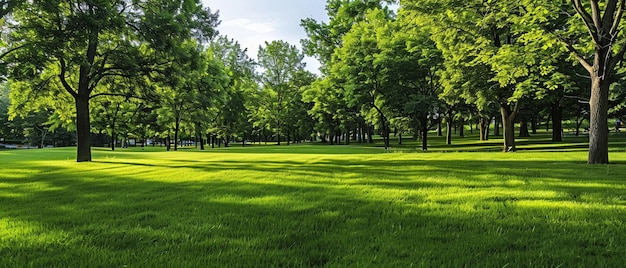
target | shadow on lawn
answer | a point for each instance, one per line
(341, 213)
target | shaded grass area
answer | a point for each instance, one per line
(310, 206)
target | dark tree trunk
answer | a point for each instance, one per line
(278, 133)
(83, 128)
(424, 132)
(598, 125)
(557, 115)
(461, 127)
(399, 138)
(361, 133)
(496, 125)
(113, 136)
(439, 127)
(449, 131)
(508, 123)
(168, 142)
(523, 129)
(533, 125)
(176, 130)
(370, 131)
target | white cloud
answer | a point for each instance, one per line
(254, 26)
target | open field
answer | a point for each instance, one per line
(312, 205)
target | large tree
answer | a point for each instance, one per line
(603, 20)
(78, 43)
(280, 62)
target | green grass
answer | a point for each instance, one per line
(312, 205)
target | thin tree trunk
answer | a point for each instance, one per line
(557, 115)
(424, 131)
(113, 136)
(176, 129)
(461, 127)
(508, 123)
(449, 131)
(439, 128)
(496, 126)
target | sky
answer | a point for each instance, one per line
(252, 22)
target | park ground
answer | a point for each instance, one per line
(316, 205)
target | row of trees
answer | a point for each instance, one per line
(158, 68)
(454, 59)
(154, 68)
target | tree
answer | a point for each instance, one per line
(491, 39)
(230, 116)
(603, 20)
(80, 43)
(411, 64)
(280, 62)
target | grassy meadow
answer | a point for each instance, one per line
(313, 205)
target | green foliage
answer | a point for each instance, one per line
(282, 65)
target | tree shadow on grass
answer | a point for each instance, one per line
(331, 212)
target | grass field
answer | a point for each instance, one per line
(313, 205)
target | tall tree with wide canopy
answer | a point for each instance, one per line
(82, 42)
(280, 62)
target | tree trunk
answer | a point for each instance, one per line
(176, 135)
(508, 124)
(533, 125)
(113, 136)
(439, 131)
(278, 133)
(483, 127)
(83, 129)
(461, 127)
(496, 126)
(424, 131)
(523, 129)
(557, 115)
(449, 131)
(598, 125)
(168, 142)
(399, 138)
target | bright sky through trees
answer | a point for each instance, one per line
(252, 22)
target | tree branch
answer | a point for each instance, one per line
(618, 17)
(587, 20)
(64, 82)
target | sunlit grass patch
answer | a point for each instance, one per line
(310, 205)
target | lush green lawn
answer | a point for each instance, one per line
(311, 205)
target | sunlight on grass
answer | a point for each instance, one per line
(311, 206)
